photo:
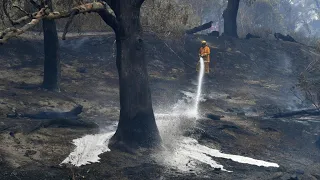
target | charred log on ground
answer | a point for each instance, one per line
(199, 28)
(214, 33)
(72, 114)
(309, 112)
(214, 117)
(283, 37)
(250, 36)
(60, 119)
(318, 143)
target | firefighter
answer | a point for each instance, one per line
(204, 52)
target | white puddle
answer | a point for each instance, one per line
(191, 148)
(88, 149)
(183, 153)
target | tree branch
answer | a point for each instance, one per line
(139, 3)
(73, 14)
(20, 9)
(12, 32)
(20, 20)
(35, 4)
(4, 7)
(97, 7)
(109, 19)
(111, 3)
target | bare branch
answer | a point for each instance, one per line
(139, 3)
(13, 32)
(35, 4)
(73, 14)
(97, 7)
(20, 8)
(111, 3)
(4, 6)
(20, 20)
(109, 19)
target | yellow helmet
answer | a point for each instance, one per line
(203, 42)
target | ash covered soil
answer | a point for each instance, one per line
(253, 80)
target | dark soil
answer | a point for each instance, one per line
(252, 81)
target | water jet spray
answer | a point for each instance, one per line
(197, 99)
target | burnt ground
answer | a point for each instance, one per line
(252, 81)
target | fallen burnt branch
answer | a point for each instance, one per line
(60, 119)
(284, 38)
(45, 13)
(214, 117)
(66, 123)
(73, 114)
(318, 142)
(63, 123)
(308, 112)
(251, 36)
(200, 28)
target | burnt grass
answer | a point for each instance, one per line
(252, 82)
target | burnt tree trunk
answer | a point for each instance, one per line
(137, 126)
(230, 18)
(51, 78)
(317, 3)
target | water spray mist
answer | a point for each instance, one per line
(201, 73)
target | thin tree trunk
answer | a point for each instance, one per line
(220, 22)
(230, 18)
(317, 3)
(137, 126)
(51, 78)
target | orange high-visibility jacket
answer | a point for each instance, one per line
(205, 53)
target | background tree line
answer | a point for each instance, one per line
(261, 17)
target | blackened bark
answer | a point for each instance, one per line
(51, 79)
(137, 126)
(230, 18)
(317, 3)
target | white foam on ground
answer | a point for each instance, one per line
(88, 149)
(188, 154)
(192, 145)
(183, 153)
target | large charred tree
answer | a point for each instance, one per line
(137, 126)
(230, 18)
(52, 71)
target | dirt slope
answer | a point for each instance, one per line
(253, 79)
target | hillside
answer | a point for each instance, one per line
(253, 81)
